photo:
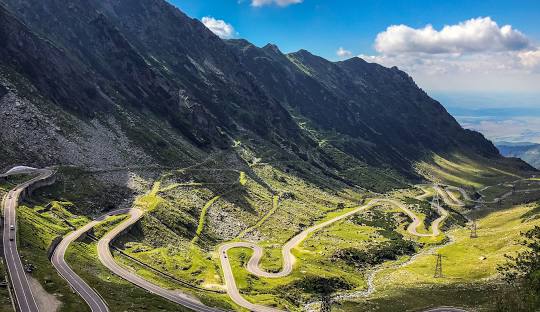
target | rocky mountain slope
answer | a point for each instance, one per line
(529, 152)
(115, 82)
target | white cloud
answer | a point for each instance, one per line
(219, 27)
(530, 59)
(475, 55)
(495, 71)
(341, 52)
(474, 35)
(281, 3)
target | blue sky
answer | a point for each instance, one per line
(322, 26)
(477, 56)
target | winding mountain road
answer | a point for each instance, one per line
(106, 258)
(19, 281)
(27, 303)
(466, 196)
(253, 265)
(448, 197)
(92, 298)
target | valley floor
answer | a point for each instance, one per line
(368, 258)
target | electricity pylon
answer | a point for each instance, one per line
(438, 267)
(435, 203)
(474, 234)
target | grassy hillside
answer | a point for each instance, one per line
(219, 141)
(38, 227)
(469, 267)
(189, 212)
(269, 207)
(119, 294)
(468, 171)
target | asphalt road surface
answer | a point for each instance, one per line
(23, 293)
(466, 196)
(288, 258)
(105, 256)
(92, 298)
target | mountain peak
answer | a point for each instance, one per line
(354, 60)
(272, 48)
(304, 53)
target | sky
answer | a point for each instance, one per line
(473, 56)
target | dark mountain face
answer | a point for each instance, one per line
(146, 71)
(147, 55)
(381, 112)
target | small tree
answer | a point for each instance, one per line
(522, 274)
(323, 288)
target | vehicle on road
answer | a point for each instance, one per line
(11, 239)
(12, 227)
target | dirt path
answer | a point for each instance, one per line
(46, 302)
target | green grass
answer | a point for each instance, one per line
(119, 294)
(185, 262)
(456, 194)
(5, 302)
(469, 265)
(243, 179)
(474, 297)
(102, 228)
(184, 204)
(36, 233)
(211, 299)
(498, 234)
(202, 218)
(465, 171)
(150, 200)
(254, 289)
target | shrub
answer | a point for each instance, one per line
(386, 251)
(522, 274)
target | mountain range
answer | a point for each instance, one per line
(122, 83)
